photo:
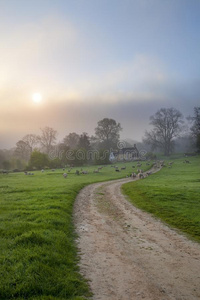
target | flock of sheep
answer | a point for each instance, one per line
(139, 173)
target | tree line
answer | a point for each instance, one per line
(34, 151)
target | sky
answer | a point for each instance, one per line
(91, 59)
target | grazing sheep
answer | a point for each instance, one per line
(123, 168)
(133, 175)
(65, 175)
(148, 173)
(84, 172)
(96, 171)
(162, 165)
(187, 162)
(42, 170)
(77, 172)
(53, 170)
(5, 172)
(133, 166)
(140, 175)
(117, 170)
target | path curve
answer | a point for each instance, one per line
(127, 254)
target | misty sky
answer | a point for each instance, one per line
(90, 59)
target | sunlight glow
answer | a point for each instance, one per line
(37, 97)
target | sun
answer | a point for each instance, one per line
(37, 97)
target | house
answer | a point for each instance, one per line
(125, 154)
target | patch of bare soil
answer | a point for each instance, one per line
(127, 254)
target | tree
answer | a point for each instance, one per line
(102, 157)
(108, 133)
(72, 140)
(48, 138)
(23, 150)
(195, 129)
(31, 140)
(38, 160)
(84, 141)
(2, 157)
(6, 164)
(166, 126)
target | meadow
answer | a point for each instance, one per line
(172, 195)
(38, 254)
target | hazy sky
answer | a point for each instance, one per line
(90, 59)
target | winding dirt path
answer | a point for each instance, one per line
(127, 254)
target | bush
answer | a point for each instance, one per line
(151, 155)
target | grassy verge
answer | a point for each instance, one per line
(38, 255)
(171, 195)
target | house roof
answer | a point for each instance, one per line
(126, 150)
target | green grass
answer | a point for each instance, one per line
(173, 195)
(38, 255)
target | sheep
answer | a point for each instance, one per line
(96, 171)
(84, 172)
(123, 168)
(65, 175)
(42, 170)
(133, 175)
(140, 175)
(77, 172)
(149, 173)
(187, 162)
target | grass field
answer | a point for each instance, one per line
(38, 255)
(173, 195)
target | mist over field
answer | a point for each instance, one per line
(89, 60)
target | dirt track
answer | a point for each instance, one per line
(127, 254)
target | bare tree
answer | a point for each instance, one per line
(48, 138)
(107, 132)
(31, 140)
(167, 124)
